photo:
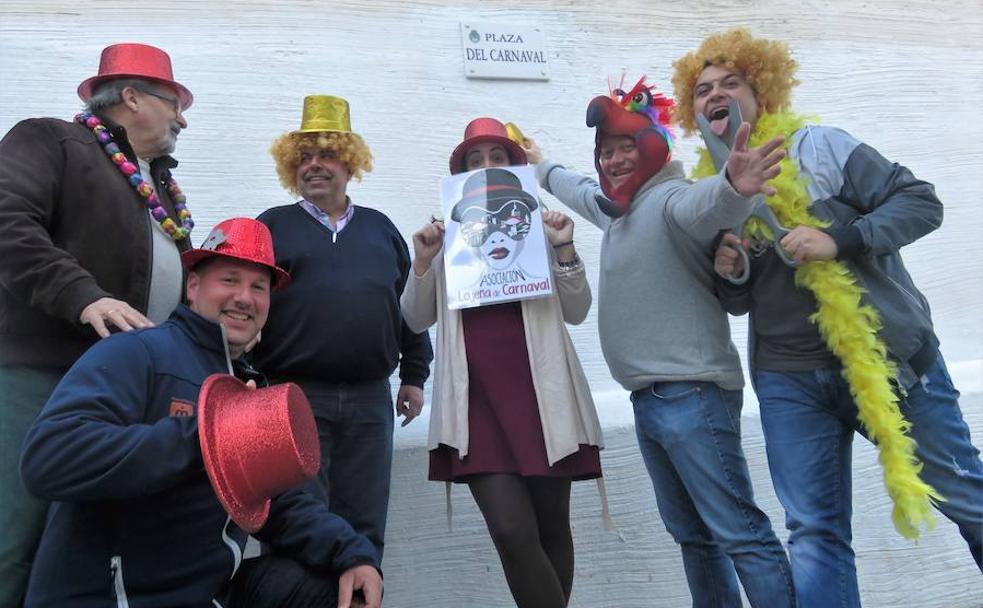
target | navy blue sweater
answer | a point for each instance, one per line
(135, 520)
(340, 320)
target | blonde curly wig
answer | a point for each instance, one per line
(766, 65)
(347, 147)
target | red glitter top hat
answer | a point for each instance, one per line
(482, 130)
(131, 60)
(243, 239)
(256, 444)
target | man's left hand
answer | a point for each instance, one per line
(409, 402)
(806, 244)
(365, 578)
(749, 169)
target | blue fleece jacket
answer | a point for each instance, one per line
(135, 521)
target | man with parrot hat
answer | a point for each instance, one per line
(666, 338)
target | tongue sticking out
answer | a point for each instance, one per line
(719, 125)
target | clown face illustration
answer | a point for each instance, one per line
(497, 233)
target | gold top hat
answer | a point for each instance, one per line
(325, 113)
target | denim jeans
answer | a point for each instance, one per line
(355, 427)
(689, 434)
(24, 391)
(809, 419)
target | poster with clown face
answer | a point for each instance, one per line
(494, 243)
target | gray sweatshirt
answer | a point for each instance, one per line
(659, 318)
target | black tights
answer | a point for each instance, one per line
(529, 521)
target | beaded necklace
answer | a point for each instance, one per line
(132, 174)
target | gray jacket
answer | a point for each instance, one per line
(875, 207)
(659, 319)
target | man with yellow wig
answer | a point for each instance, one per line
(340, 333)
(841, 339)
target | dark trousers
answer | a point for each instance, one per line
(278, 582)
(23, 392)
(355, 427)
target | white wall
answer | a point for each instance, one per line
(904, 76)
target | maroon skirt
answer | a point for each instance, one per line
(506, 434)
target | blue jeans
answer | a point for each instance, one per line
(689, 434)
(809, 419)
(355, 427)
(24, 391)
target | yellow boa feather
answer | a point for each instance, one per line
(850, 328)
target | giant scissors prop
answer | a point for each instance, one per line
(720, 152)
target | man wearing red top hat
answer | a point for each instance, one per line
(93, 226)
(159, 462)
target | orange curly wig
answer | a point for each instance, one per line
(766, 65)
(349, 148)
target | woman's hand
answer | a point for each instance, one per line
(427, 242)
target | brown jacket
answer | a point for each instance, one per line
(72, 230)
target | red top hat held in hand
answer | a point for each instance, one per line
(256, 444)
(132, 60)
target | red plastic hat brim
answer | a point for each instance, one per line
(88, 85)
(193, 257)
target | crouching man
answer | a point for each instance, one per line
(135, 520)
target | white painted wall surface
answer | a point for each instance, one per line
(903, 76)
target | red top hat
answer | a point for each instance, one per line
(131, 60)
(256, 444)
(243, 239)
(481, 130)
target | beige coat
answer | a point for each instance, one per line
(566, 408)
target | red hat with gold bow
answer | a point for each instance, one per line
(485, 130)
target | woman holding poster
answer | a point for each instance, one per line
(512, 412)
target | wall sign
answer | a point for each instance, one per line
(495, 50)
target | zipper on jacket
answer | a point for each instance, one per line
(905, 291)
(119, 587)
(150, 262)
(233, 547)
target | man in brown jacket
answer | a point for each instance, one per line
(92, 229)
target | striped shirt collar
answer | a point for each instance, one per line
(319, 214)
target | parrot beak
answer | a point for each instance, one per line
(599, 109)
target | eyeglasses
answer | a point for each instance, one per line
(174, 101)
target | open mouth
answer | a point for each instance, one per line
(236, 316)
(499, 253)
(719, 120)
(620, 175)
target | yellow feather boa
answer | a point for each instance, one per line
(849, 326)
